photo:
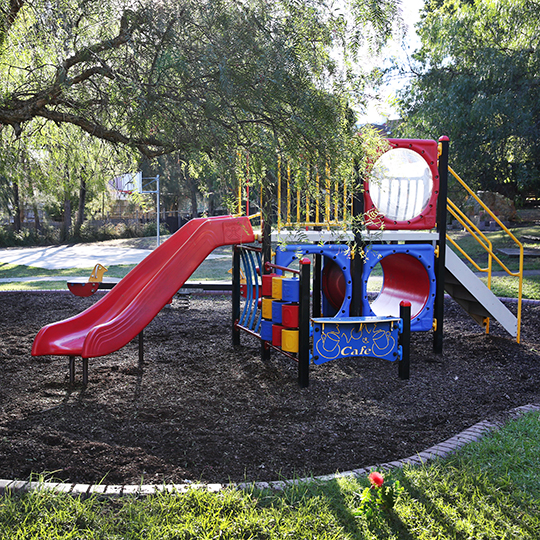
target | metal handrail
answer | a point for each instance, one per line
(481, 238)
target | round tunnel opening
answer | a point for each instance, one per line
(333, 284)
(404, 278)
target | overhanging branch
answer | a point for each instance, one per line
(149, 146)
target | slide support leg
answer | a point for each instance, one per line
(141, 348)
(71, 370)
(85, 371)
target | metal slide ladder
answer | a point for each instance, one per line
(474, 297)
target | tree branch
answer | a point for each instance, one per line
(149, 147)
(9, 15)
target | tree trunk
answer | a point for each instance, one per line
(211, 205)
(80, 211)
(67, 219)
(193, 190)
(194, 207)
(37, 222)
(17, 214)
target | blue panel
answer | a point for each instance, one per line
(375, 337)
(340, 253)
(425, 255)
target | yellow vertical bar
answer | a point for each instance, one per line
(288, 191)
(307, 194)
(344, 201)
(336, 201)
(327, 196)
(317, 201)
(239, 185)
(298, 200)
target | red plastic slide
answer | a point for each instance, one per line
(125, 311)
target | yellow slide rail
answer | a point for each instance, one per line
(486, 244)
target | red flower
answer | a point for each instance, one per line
(376, 479)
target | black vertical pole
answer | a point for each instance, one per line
(317, 276)
(404, 365)
(266, 231)
(85, 371)
(266, 221)
(235, 295)
(440, 261)
(357, 262)
(303, 315)
(141, 348)
(71, 370)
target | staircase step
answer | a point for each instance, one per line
(473, 308)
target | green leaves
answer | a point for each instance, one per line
(183, 76)
(477, 80)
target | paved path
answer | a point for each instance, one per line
(73, 256)
(79, 256)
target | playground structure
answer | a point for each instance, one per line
(326, 313)
(404, 211)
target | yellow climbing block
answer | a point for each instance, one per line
(276, 287)
(290, 340)
(267, 309)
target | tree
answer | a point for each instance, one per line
(183, 177)
(74, 168)
(196, 75)
(477, 79)
(59, 166)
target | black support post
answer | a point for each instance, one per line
(404, 365)
(440, 261)
(85, 371)
(235, 296)
(141, 348)
(266, 231)
(317, 276)
(357, 262)
(71, 370)
(303, 337)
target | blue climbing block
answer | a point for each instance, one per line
(290, 289)
(339, 253)
(266, 330)
(276, 311)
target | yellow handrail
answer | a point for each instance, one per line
(481, 238)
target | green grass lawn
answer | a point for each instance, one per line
(499, 241)
(487, 490)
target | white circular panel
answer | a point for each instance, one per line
(401, 184)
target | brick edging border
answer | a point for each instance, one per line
(440, 450)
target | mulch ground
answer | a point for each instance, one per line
(199, 409)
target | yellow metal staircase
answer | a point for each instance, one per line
(463, 284)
